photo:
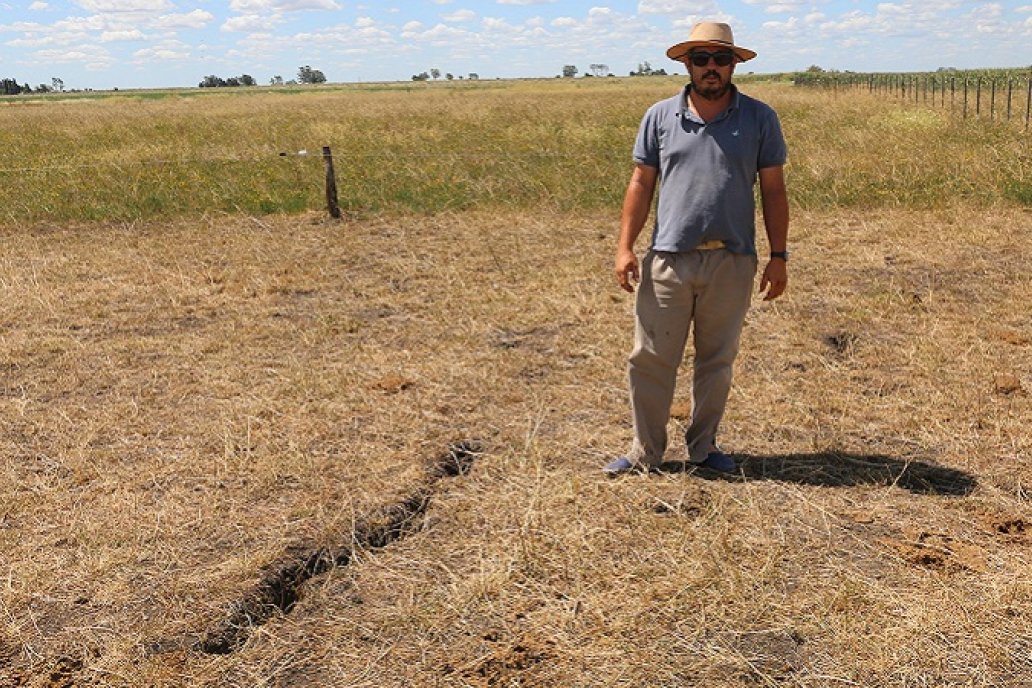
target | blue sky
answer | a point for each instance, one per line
(103, 44)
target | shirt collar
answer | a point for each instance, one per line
(732, 106)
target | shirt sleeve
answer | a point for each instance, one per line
(646, 146)
(773, 150)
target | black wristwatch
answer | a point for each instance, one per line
(783, 255)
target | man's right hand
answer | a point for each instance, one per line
(627, 270)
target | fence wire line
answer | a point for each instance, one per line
(305, 157)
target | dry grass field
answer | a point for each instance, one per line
(272, 450)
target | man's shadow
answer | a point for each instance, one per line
(841, 469)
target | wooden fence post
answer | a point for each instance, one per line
(331, 184)
(1028, 103)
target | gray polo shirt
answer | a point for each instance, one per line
(707, 170)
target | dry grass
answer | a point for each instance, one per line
(559, 145)
(184, 402)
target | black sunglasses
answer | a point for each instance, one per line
(701, 58)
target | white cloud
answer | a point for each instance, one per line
(197, 19)
(702, 8)
(94, 57)
(298, 5)
(527, 2)
(251, 23)
(363, 22)
(254, 6)
(460, 16)
(128, 35)
(37, 6)
(412, 27)
(564, 21)
(496, 24)
(51, 39)
(159, 54)
(779, 6)
(124, 6)
(250, 5)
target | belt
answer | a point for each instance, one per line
(710, 245)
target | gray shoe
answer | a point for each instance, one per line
(621, 466)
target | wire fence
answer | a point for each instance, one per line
(992, 97)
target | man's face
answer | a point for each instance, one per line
(711, 80)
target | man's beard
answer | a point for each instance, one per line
(715, 92)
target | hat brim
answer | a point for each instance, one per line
(680, 51)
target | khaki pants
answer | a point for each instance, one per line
(711, 289)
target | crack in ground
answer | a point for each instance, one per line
(279, 589)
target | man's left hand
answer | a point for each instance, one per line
(775, 279)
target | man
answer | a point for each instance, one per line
(708, 146)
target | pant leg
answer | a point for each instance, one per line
(663, 312)
(721, 304)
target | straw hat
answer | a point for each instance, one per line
(710, 35)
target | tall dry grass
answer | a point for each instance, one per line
(559, 145)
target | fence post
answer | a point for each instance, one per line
(978, 97)
(965, 97)
(992, 102)
(1010, 95)
(1028, 102)
(331, 185)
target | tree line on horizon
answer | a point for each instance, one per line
(305, 75)
(11, 87)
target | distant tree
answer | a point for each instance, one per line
(816, 69)
(473, 76)
(43, 88)
(435, 73)
(449, 76)
(569, 71)
(599, 69)
(9, 87)
(645, 69)
(276, 81)
(307, 75)
(58, 84)
(422, 76)
(212, 81)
